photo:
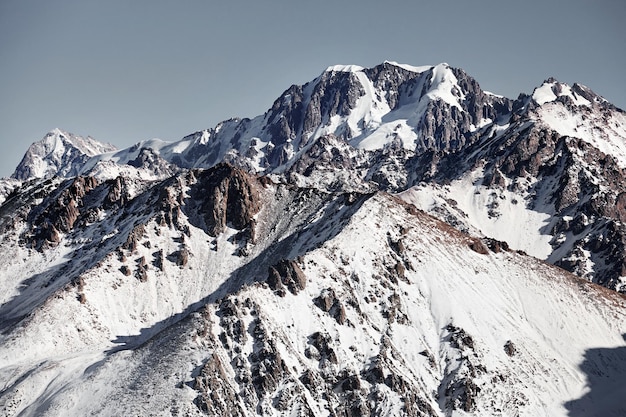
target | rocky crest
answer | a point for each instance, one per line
(229, 197)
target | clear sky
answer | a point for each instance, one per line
(126, 70)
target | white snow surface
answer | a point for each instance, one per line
(445, 86)
(546, 93)
(412, 68)
(605, 132)
(495, 213)
(73, 359)
(344, 68)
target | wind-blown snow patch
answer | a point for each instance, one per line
(499, 214)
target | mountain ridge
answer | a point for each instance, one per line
(386, 282)
(393, 127)
(358, 249)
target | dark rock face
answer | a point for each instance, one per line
(286, 274)
(59, 212)
(217, 397)
(224, 195)
(296, 114)
(118, 193)
(329, 303)
(393, 81)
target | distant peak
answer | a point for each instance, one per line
(58, 153)
(56, 132)
(551, 89)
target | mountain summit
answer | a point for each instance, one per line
(58, 153)
(382, 241)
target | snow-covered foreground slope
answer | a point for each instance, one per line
(317, 304)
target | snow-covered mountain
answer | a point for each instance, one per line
(390, 106)
(290, 264)
(549, 181)
(216, 292)
(58, 153)
(551, 163)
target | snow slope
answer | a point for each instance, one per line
(484, 211)
(578, 112)
(417, 319)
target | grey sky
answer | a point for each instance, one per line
(127, 70)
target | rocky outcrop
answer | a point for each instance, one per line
(134, 237)
(142, 269)
(330, 303)
(460, 389)
(150, 161)
(216, 397)
(286, 274)
(224, 196)
(118, 194)
(58, 213)
(509, 348)
(478, 246)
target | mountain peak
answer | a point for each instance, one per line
(58, 153)
(552, 89)
(411, 68)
